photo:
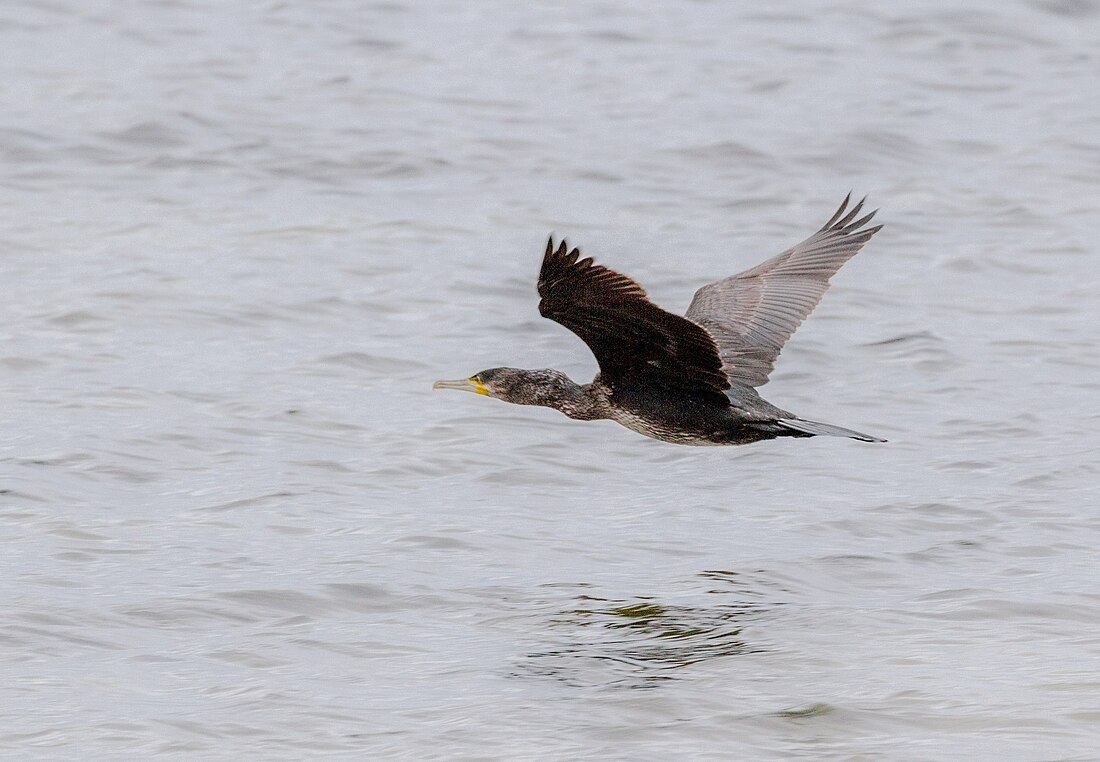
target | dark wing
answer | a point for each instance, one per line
(752, 314)
(634, 340)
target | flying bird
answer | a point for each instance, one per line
(692, 379)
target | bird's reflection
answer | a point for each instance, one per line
(643, 641)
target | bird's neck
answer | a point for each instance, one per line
(584, 403)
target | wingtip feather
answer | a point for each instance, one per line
(851, 215)
(840, 211)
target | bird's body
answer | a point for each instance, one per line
(685, 380)
(741, 418)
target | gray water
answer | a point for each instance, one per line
(240, 240)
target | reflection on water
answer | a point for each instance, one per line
(806, 712)
(644, 640)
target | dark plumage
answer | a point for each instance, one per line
(690, 379)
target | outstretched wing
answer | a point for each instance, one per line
(634, 340)
(751, 315)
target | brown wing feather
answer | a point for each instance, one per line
(634, 341)
(752, 314)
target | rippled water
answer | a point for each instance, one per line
(240, 241)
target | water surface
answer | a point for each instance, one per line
(239, 243)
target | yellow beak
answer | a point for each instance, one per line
(464, 385)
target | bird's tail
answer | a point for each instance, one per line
(813, 428)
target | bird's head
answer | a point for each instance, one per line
(521, 387)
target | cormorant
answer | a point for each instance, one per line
(692, 379)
